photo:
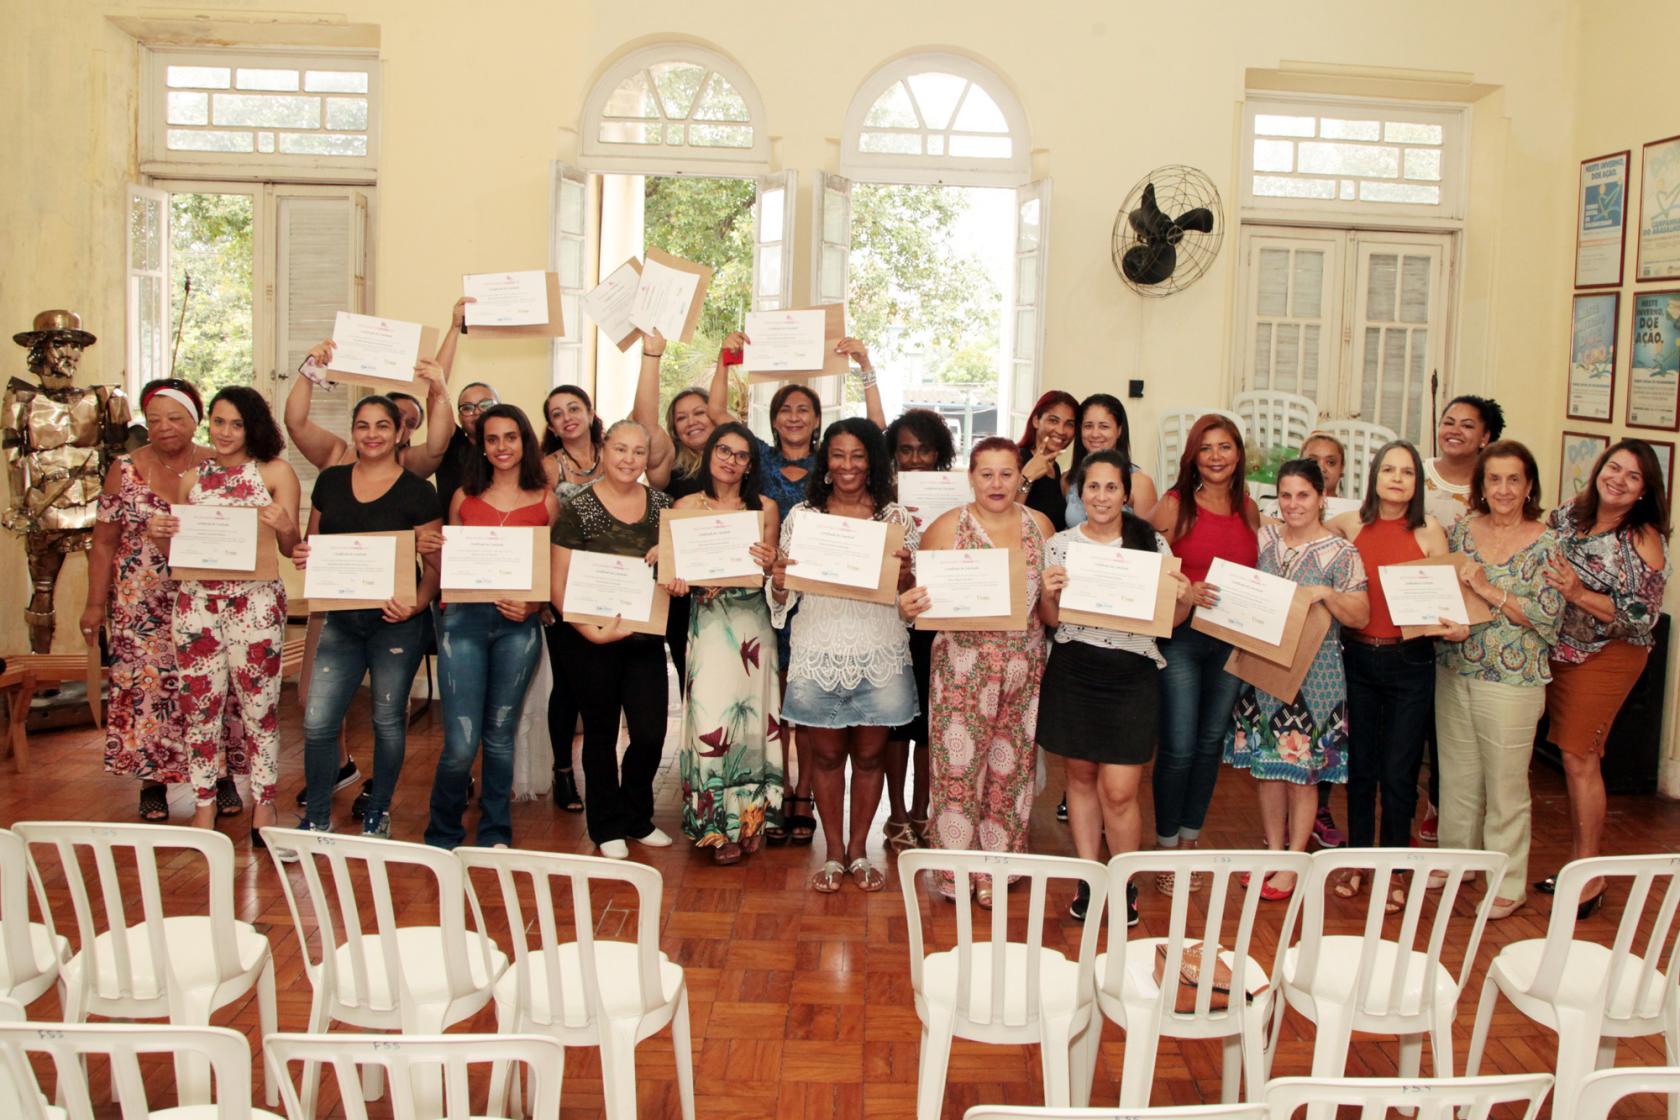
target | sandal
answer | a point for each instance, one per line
(900, 836)
(802, 827)
(751, 844)
(983, 895)
(1350, 885)
(565, 792)
(827, 879)
(919, 825)
(726, 854)
(228, 802)
(154, 802)
(1269, 893)
(865, 875)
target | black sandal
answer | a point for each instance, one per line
(154, 802)
(801, 827)
(228, 802)
(566, 792)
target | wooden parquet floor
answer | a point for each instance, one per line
(800, 1003)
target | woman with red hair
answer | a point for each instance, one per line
(1049, 432)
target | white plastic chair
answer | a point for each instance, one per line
(69, 1045)
(31, 953)
(1130, 995)
(419, 1059)
(1181, 1112)
(12, 1090)
(1271, 418)
(183, 967)
(555, 986)
(1385, 985)
(1360, 440)
(1588, 993)
(1002, 991)
(1600, 1091)
(1468, 1098)
(1171, 430)
(413, 978)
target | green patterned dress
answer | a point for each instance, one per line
(732, 747)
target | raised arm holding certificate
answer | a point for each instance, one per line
(506, 299)
(369, 350)
(611, 301)
(669, 296)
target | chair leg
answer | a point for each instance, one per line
(682, 1047)
(1230, 1068)
(935, 1059)
(1330, 1050)
(1055, 1055)
(1484, 1019)
(618, 1070)
(373, 1082)
(1255, 1060)
(1671, 1040)
(1085, 1049)
(192, 1070)
(311, 1082)
(1606, 1052)
(268, 1023)
(1137, 1068)
(1577, 1041)
(1441, 1043)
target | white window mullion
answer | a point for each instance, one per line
(773, 214)
(569, 259)
(146, 337)
(1023, 341)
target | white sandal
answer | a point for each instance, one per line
(866, 875)
(827, 879)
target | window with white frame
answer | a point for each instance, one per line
(675, 101)
(936, 117)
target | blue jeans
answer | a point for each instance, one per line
(1391, 708)
(353, 643)
(1197, 696)
(485, 664)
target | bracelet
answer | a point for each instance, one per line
(867, 377)
(1503, 599)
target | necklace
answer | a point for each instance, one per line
(578, 468)
(158, 458)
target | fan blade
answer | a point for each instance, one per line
(1199, 220)
(1147, 219)
(1149, 264)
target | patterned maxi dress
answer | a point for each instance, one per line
(983, 708)
(145, 731)
(1304, 741)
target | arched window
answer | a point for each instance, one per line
(936, 118)
(674, 103)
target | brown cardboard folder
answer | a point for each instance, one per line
(699, 300)
(1284, 681)
(1016, 619)
(407, 590)
(536, 593)
(668, 554)
(268, 562)
(428, 347)
(1475, 606)
(886, 591)
(1160, 626)
(554, 328)
(1283, 653)
(834, 329)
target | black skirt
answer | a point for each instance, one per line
(1099, 705)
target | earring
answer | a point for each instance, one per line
(828, 479)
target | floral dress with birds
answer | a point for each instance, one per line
(732, 746)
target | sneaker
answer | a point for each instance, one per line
(1325, 833)
(1081, 903)
(347, 775)
(1428, 831)
(358, 807)
(1131, 905)
(654, 839)
(615, 849)
(1061, 813)
(289, 855)
(377, 824)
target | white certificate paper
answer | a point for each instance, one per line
(784, 341)
(603, 585)
(843, 550)
(375, 347)
(611, 302)
(1422, 595)
(663, 297)
(1250, 601)
(1121, 582)
(221, 537)
(715, 547)
(349, 566)
(487, 557)
(964, 582)
(506, 299)
(928, 494)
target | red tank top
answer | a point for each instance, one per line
(1216, 536)
(477, 511)
(1384, 541)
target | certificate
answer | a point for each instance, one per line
(927, 494)
(964, 582)
(487, 557)
(601, 587)
(1420, 595)
(1654, 367)
(506, 299)
(1592, 355)
(1120, 582)
(355, 567)
(368, 346)
(784, 341)
(1659, 212)
(708, 546)
(845, 551)
(1601, 222)
(610, 302)
(664, 296)
(1251, 602)
(223, 537)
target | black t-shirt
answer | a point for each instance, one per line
(452, 469)
(1045, 495)
(409, 502)
(682, 485)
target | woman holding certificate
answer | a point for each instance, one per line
(374, 495)
(732, 746)
(228, 632)
(1050, 428)
(612, 670)
(487, 652)
(1291, 747)
(1103, 427)
(1490, 682)
(1206, 515)
(1612, 575)
(849, 677)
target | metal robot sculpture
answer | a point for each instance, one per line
(59, 439)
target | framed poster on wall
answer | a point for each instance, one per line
(1580, 452)
(1592, 355)
(1601, 221)
(1665, 455)
(1653, 399)
(1659, 211)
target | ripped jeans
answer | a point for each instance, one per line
(353, 643)
(485, 664)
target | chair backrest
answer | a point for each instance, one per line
(1006, 972)
(68, 1045)
(1181, 1112)
(1360, 441)
(1441, 1098)
(1647, 936)
(405, 1056)
(11, 1091)
(1397, 988)
(539, 873)
(1275, 419)
(1227, 921)
(103, 902)
(1171, 430)
(1600, 1091)
(333, 868)
(17, 955)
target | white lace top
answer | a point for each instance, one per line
(838, 643)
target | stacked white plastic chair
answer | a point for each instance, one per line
(1466, 1098)
(1275, 419)
(1182, 1112)
(1171, 430)
(1602, 1091)
(30, 952)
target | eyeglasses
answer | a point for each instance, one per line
(473, 408)
(739, 458)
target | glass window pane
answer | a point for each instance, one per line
(268, 112)
(201, 77)
(982, 147)
(834, 216)
(1274, 155)
(1423, 163)
(265, 142)
(631, 99)
(627, 132)
(1400, 192)
(571, 207)
(1309, 360)
(1024, 386)
(188, 108)
(673, 134)
(1026, 228)
(348, 113)
(771, 209)
(567, 363)
(1381, 287)
(720, 135)
(1405, 132)
(1262, 355)
(678, 83)
(1279, 186)
(569, 264)
(1307, 285)
(1364, 160)
(770, 271)
(720, 102)
(1333, 128)
(1415, 276)
(185, 140)
(979, 113)
(1268, 124)
(891, 143)
(1272, 295)
(145, 234)
(892, 110)
(1286, 373)
(936, 96)
(335, 81)
(1026, 278)
(322, 144)
(1026, 336)
(571, 316)
(1370, 370)
(278, 80)
(833, 274)
(936, 145)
